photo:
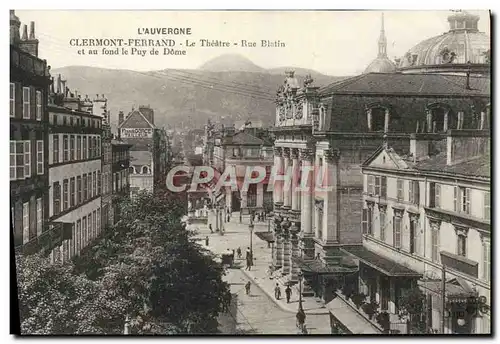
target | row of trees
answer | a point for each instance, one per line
(146, 267)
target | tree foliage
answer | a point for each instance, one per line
(146, 267)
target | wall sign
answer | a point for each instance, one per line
(137, 133)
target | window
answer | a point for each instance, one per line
(78, 147)
(26, 103)
(65, 195)
(71, 121)
(13, 160)
(381, 186)
(26, 222)
(78, 190)
(435, 243)
(414, 192)
(84, 232)
(455, 198)
(400, 187)
(72, 192)
(98, 221)
(39, 157)
(413, 234)
(465, 200)
(65, 121)
(39, 217)
(56, 197)
(84, 187)
(27, 159)
(145, 170)
(65, 148)
(72, 147)
(78, 236)
(94, 184)
(377, 119)
(99, 182)
(131, 170)
(397, 231)
(84, 147)
(39, 105)
(462, 245)
(487, 206)
(382, 225)
(55, 149)
(89, 227)
(89, 185)
(371, 185)
(55, 119)
(12, 99)
(486, 259)
(94, 224)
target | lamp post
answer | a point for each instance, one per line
(250, 227)
(301, 315)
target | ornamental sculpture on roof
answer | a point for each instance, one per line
(289, 106)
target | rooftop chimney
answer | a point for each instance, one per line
(419, 146)
(15, 24)
(25, 33)
(32, 31)
(120, 118)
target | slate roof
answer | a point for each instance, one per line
(136, 119)
(399, 83)
(477, 167)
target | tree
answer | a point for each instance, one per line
(412, 309)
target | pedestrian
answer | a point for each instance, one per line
(206, 241)
(247, 287)
(210, 227)
(277, 292)
(249, 263)
(238, 252)
(288, 293)
(228, 217)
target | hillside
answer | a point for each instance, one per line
(188, 96)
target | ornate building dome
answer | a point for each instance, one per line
(381, 64)
(461, 49)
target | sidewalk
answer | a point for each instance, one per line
(238, 235)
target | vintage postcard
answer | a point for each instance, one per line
(250, 172)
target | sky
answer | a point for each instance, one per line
(330, 42)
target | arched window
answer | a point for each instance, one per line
(145, 170)
(131, 170)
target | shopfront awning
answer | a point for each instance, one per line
(384, 265)
(455, 288)
(266, 236)
(318, 267)
(349, 318)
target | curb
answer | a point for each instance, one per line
(282, 307)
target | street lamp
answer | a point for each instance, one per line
(301, 315)
(250, 227)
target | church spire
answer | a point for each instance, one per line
(382, 41)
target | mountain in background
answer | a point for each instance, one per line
(227, 88)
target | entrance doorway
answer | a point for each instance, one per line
(235, 201)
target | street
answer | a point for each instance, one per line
(256, 313)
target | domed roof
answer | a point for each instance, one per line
(462, 44)
(380, 65)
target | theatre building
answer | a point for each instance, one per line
(335, 129)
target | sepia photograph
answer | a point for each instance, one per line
(250, 172)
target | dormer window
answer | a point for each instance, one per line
(438, 119)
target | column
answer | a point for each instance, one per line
(295, 179)
(286, 247)
(287, 190)
(332, 200)
(278, 185)
(278, 252)
(429, 121)
(295, 252)
(369, 118)
(392, 296)
(243, 199)
(306, 234)
(445, 121)
(260, 195)
(386, 121)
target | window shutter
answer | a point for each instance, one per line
(467, 201)
(438, 196)
(364, 222)
(410, 191)
(12, 160)
(27, 159)
(416, 193)
(384, 187)
(12, 100)
(455, 198)
(432, 195)
(39, 157)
